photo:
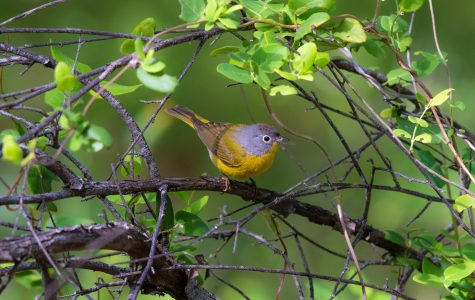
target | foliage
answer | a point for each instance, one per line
(282, 47)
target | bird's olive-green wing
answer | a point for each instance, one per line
(218, 139)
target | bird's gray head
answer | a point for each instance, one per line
(258, 139)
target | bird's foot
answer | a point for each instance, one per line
(227, 184)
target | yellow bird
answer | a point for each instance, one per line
(237, 150)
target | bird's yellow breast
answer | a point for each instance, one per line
(249, 165)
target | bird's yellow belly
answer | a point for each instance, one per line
(250, 165)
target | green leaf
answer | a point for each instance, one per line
(263, 9)
(76, 142)
(428, 159)
(256, 8)
(210, 11)
(64, 78)
(322, 59)
(423, 138)
(192, 224)
(428, 279)
(459, 271)
(99, 138)
(426, 62)
(94, 138)
(399, 76)
(127, 47)
(11, 132)
(197, 205)
(458, 104)
(191, 10)
(234, 73)
(129, 163)
(54, 98)
(429, 268)
(73, 120)
(270, 57)
(394, 237)
(410, 5)
(52, 207)
(29, 279)
(425, 241)
(301, 6)
(284, 90)
(468, 158)
(19, 127)
(375, 47)
(403, 42)
(239, 59)
(60, 56)
(440, 98)
(463, 202)
(421, 99)
(386, 113)
(40, 179)
(261, 78)
(351, 31)
(153, 66)
(146, 27)
(139, 46)
(160, 83)
(303, 62)
(11, 151)
(401, 133)
(117, 89)
(118, 198)
(314, 20)
(419, 121)
(229, 22)
(224, 50)
(392, 24)
(168, 221)
(286, 75)
(232, 9)
(468, 251)
(432, 129)
(459, 293)
(184, 196)
(446, 250)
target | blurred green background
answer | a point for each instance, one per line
(179, 153)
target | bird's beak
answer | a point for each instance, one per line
(282, 139)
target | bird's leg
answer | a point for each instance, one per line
(227, 184)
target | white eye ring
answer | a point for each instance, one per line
(266, 139)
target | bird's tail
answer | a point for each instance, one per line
(186, 115)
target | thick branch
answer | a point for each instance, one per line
(118, 236)
(246, 191)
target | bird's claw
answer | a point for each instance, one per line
(227, 184)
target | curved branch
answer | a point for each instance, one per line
(119, 236)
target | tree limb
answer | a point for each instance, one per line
(313, 213)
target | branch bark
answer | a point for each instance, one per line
(248, 192)
(118, 236)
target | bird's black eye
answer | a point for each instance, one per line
(266, 138)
